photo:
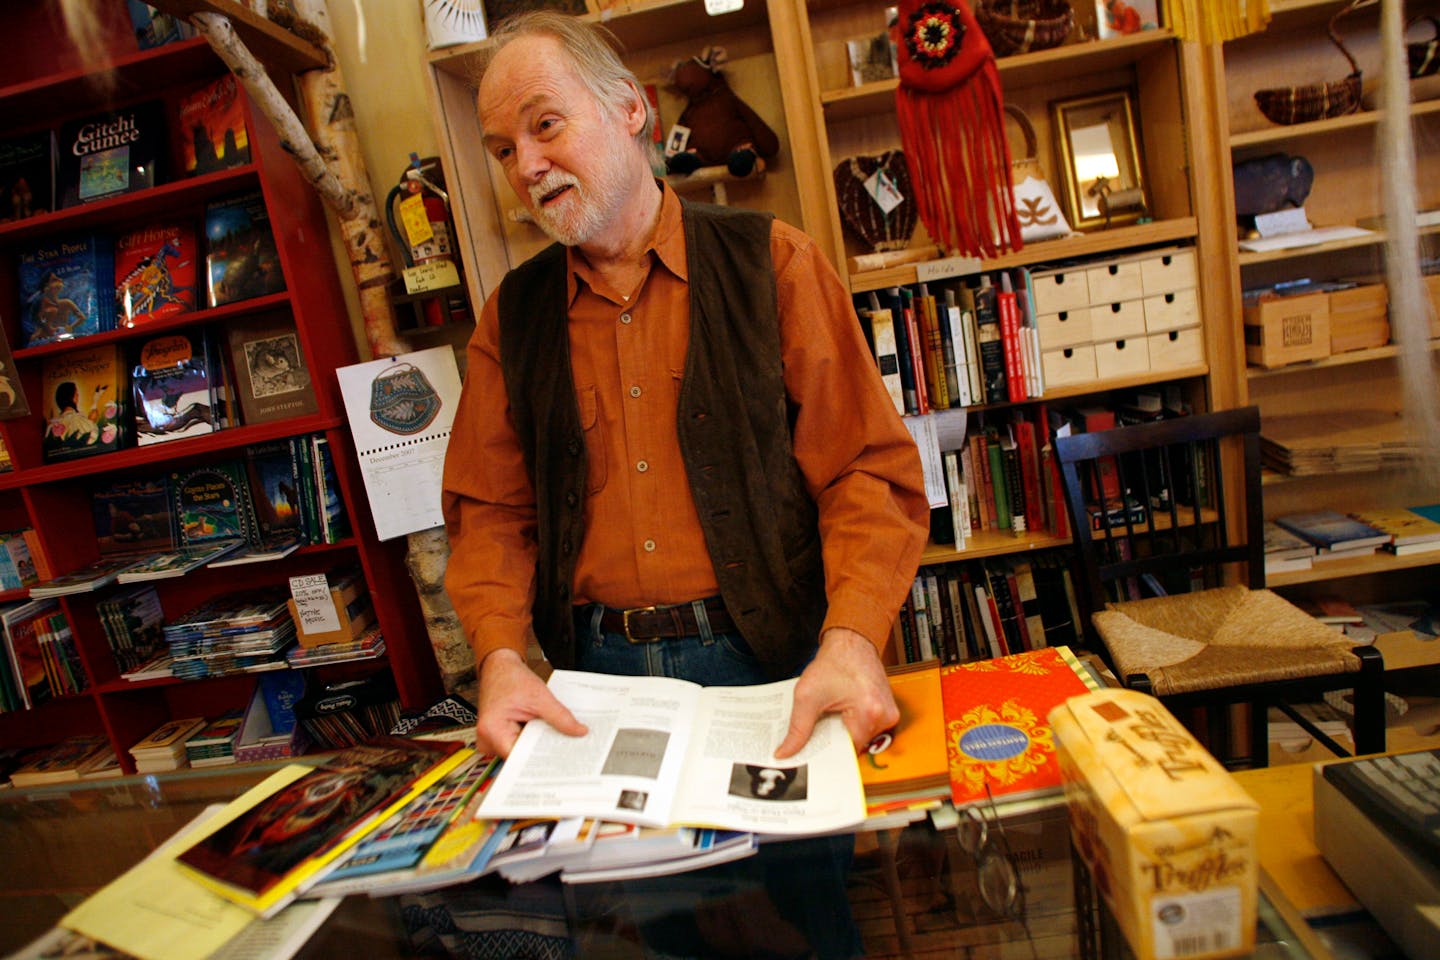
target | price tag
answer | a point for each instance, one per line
(932, 270)
(314, 608)
(883, 191)
(430, 275)
(717, 7)
(414, 220)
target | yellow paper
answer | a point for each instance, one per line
(415, 220)
(157, 911)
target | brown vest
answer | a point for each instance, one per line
(760, 524)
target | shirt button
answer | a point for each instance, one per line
(642, 466)
(624, 318)
(634, 391)
(649, 546)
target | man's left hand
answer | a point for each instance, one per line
(846, 677)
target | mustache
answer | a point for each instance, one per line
(549, 184)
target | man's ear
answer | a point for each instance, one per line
(634, 113)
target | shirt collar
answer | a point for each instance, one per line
(668, 244)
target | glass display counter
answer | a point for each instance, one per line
(910, 891)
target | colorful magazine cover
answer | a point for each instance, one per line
(84, 396)
(173, 382)
(997, 735)
(213, 135)
(241, 259)
(109, 153)
(65, 289)
(154, 273)
(279, 834)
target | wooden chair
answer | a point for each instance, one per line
(1154, 565)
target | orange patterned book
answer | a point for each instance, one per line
(995, 722)
(907, 762)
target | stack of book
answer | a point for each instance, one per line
(38, 661)
(1340, 442)
(1284, 551)
(81, 757)
(214, 744)
(132, 621)
(1334, 535)
(368, 646)
(905, 768)
(231, 634)
(1410, 530)
(164, 747)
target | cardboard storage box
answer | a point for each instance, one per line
(353, 609)
(1358, 318)
(1168, 835)
(1282, 330)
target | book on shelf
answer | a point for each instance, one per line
(111, 152)
(651, 759)
(990, 343)
(1420, 617)
(344, 712)
(86, 579)
(997, 738)
(27, 175)
(85, 405)
(241, 260)
(212, 502)
(30, 682)
(272, 380)
(155, 271)
(906, 764)
(1409, 532)
(213, 135)
(1284, 551)
(17, 565)
(163, 748)
(368, 646)
(213, 745)
(155, 28)
(132, 515)
(283, 833)
(132, 620)
(173, 381)
(61, 762)
(66, 288)
(270, 548)
(176, 563)
(1330, 530)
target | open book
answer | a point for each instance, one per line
(662, 752)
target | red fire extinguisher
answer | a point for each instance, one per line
(418, 211)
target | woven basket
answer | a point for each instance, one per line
(1315, 101)
(1021, 26)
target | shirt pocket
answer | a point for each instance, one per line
(594, 428)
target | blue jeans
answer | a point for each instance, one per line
(803, 879)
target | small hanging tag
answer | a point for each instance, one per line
(314, 606)
(882, 190)
(678, 139)
(416, 223)
(717, 7)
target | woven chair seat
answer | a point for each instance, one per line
(1225, 637)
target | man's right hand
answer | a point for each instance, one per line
(510, 695)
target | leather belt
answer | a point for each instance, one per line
(648, 624)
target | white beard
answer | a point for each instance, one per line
(589, 206)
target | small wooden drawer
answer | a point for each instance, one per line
(1171, 311)
(1359, 318)
(1057, 291)
(1173, 349)
(1069, 365)
(1115, 321)
(1168, 271)
(1114, 281)
(1121, 358)
(1064, 329)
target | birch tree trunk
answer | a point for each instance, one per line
(335, 165)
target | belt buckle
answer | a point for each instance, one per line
(625, 623)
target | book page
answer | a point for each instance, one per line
(625, 769)
(732, 779)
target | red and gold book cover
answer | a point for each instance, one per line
(213, 135)
(155, 271)
(996, 731)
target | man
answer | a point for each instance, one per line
(673, 453)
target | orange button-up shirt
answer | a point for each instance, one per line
(643, 540)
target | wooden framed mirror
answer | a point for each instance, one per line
(1100, 161)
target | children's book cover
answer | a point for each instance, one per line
(110, 153)
(132, 515)
(173, 379)
(154, 273)
(996, 730)
(213, 135)
(241, 259)
(910, 756)
(13, 404)
(280, 833)
(275, 486)
(211, 503)
(27, 175)
(272, 380)
(66, 289)
(84, 396)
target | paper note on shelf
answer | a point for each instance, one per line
(1304, 238)
(400, 411)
